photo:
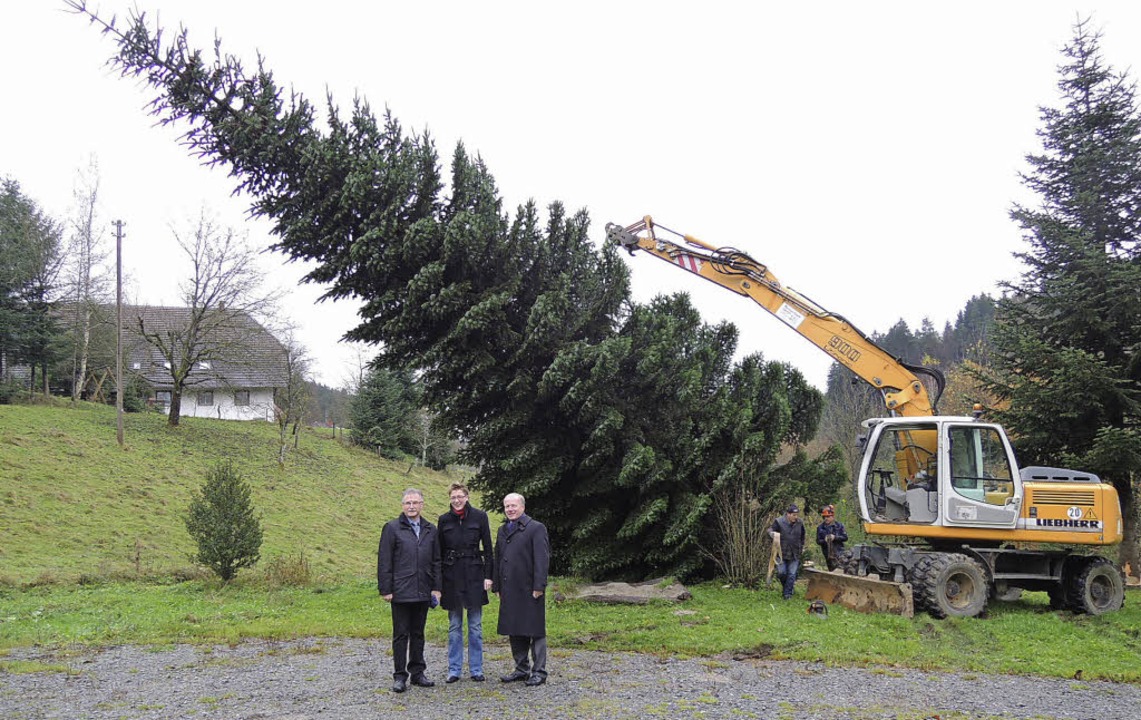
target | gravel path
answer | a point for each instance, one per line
(349, 679)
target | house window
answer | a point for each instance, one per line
(205, 398)
(241, 397)
(204, 365)
(162, 397)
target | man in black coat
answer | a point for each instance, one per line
(408, 576)
(789, 532)
(522, 555)
(465, 549)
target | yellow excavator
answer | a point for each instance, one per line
(958, 521)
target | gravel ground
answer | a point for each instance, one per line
(334, 678)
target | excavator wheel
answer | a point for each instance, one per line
(949, 584)
(1095, 587)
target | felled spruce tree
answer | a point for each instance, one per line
(617, 421)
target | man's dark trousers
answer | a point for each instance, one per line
(521, 645)
(408, 620)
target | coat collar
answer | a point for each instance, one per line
(521, 523)
(424, 523)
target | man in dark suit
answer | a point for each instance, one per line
(408, 576)
(522, 555)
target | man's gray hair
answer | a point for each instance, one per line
(412, 491)
(517, 496)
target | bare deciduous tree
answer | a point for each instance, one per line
(86, 275)
(292, 399)
(223, 292)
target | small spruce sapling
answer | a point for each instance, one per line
(222, 523)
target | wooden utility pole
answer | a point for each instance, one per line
(119, 330)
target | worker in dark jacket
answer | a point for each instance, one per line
(465, 551)
(830, 535)
(522, 554)
(408, 576)
(789, 532)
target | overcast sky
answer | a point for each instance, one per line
(868, 153)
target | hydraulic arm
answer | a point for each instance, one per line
(898, 382)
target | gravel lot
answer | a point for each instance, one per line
(334, 678)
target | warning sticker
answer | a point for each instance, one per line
(790, 315)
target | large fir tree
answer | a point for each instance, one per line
(1068, 342)
(616, 421)
(29, 267)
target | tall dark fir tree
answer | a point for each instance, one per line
(1068, 340)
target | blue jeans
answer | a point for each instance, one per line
(788, 577)
(474, 641)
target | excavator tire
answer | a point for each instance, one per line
(1097, 586)
(949, 585)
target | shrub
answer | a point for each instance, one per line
(222, 523)
(742, 529)
(282, 571)
(10, 392)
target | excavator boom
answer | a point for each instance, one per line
(903, 392)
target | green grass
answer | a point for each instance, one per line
(75, 506)
(1023, 638)
(92, 549)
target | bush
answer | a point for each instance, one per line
(222, 523)
(135, 396)
(9, 392)
(743, 547)
(283, 571)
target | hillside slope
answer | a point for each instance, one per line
(72, 503)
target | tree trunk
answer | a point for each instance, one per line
(84, 351)
(1129, 552)
(175, 406)
(282, 430)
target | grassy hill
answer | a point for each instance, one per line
(73, 504)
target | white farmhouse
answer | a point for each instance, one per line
(235, 380)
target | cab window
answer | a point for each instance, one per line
(980, 467)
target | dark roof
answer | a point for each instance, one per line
(240, 353)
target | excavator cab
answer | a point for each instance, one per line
(943, 471)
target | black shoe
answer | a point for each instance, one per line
(399, 685)
(536, 680)
(451, 679)
(515, 676)
(422, 680)
(477, 678)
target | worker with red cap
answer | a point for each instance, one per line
(830, 535)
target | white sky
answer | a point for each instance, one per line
(866, 152)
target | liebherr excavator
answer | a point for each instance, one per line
(960, 522)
